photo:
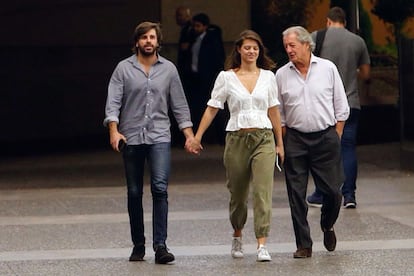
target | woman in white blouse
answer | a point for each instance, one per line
(249, 88)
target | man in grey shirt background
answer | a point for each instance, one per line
(141, 90)
(350, 54)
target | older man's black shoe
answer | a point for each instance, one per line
(302, 253)
(137, 254)
(329, 239)
(162, 256)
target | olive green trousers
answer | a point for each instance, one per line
(249, 159)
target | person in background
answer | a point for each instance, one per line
(141, 90)
(314, 108)
(249, 88)
(350, 54)
(207, 60)
(187, 36)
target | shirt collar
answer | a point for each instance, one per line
(133, 60)
(313, 59)
(202, 35)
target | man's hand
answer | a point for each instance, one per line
(115, 136)
(192, 145)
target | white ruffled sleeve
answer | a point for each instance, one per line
(219, 93)
(273, 91)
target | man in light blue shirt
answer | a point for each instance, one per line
(141, 91)
(313, 108)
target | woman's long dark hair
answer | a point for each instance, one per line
(263, 61)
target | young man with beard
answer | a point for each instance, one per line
(141, 91)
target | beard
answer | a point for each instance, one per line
(143, 51)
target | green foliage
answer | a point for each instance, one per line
(395, 12)
(365, 27)
(387, 50)
(271, 17)
(291, 12)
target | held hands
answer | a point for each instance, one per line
(193, 145)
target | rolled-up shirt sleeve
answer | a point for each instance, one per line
(114, 99)
(179, 105)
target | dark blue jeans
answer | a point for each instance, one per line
(348, 145)
(158, 157)
(349, 158)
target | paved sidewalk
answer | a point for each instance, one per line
(66, 215)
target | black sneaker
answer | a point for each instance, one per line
(137, 254)
(162, 256)
(315, 200)
(349, 203)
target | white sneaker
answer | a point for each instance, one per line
(236, 248)
(263, 255)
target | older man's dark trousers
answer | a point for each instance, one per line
(320, 154)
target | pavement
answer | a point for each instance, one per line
(65, 214)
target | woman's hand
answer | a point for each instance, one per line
(193, 145)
